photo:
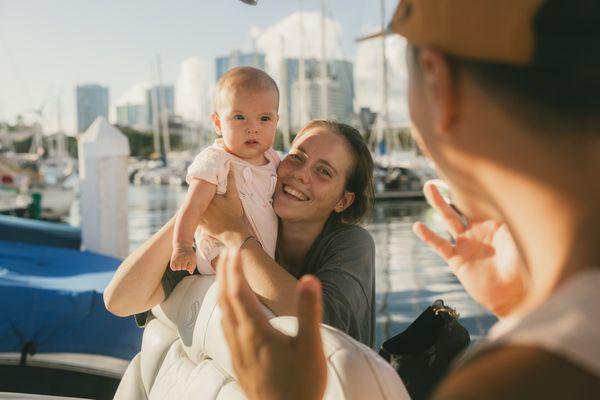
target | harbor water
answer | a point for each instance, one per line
(409, 276)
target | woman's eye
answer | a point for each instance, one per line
(325, 172)
(294, 157)
(238, 117)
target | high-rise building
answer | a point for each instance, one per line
(164, 96)
(136, 108)
(92, 102)
(312, 93)
(133, 115)
(238, 59)
(340, 89)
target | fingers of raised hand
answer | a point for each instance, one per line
(309, 311)
(436, 200)
(236, 292)
(224, 301)
(245, 325)
(228, 321)
(436, 242)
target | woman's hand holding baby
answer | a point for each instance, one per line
(224, 218)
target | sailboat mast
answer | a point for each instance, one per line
(324, 94)
(60, 135)
(304, 113)
(154, 105)
(384, 74)
(164, 112)
(385, 126)
(284, 106)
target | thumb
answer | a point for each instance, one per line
(309, 311)
(231, 187)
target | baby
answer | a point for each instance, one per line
(245, 119)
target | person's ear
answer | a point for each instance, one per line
(345, 202)
(440, 88)
(216, 122)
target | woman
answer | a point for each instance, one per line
(511, 121)
(324, 189)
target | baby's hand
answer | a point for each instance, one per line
(183, 258)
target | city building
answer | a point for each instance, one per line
(314, 109)
(238, 59)
(133, 116)
(164, 96)
(136, 110)
(92, 102)
(340, 86)
(340, 91)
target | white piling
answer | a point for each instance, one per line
(103, 152)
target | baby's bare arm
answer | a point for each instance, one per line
(199, 196)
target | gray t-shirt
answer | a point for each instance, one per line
(343, 258)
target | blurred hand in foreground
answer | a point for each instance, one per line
(483, 256)
(269, 364)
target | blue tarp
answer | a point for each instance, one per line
(25, 230)
(53, 297)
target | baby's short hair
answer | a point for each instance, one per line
(243, 78)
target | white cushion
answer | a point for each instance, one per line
(185, 356)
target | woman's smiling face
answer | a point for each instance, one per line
(312, 177)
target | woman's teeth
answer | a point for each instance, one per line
(294, 193)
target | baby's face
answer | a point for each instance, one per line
(247, 122)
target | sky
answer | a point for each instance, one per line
(47, 48)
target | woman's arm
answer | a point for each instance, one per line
(224, 220)
(136, 286)
(270, 281)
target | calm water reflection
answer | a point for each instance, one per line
(409, 275)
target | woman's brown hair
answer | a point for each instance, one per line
(359, 179)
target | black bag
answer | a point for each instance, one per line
(422, 353)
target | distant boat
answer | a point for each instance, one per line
(55, 179)
(401, 175)
(11, 201)
(59, 186)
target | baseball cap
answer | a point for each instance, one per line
(554, 33)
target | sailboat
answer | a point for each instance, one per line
(59, 175)
(399, 173)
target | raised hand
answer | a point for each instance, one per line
(183, 258)
(269, 364)
(483, 256)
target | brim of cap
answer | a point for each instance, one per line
(491, 30)
(387, 31)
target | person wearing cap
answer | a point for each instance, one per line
(505, 98)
